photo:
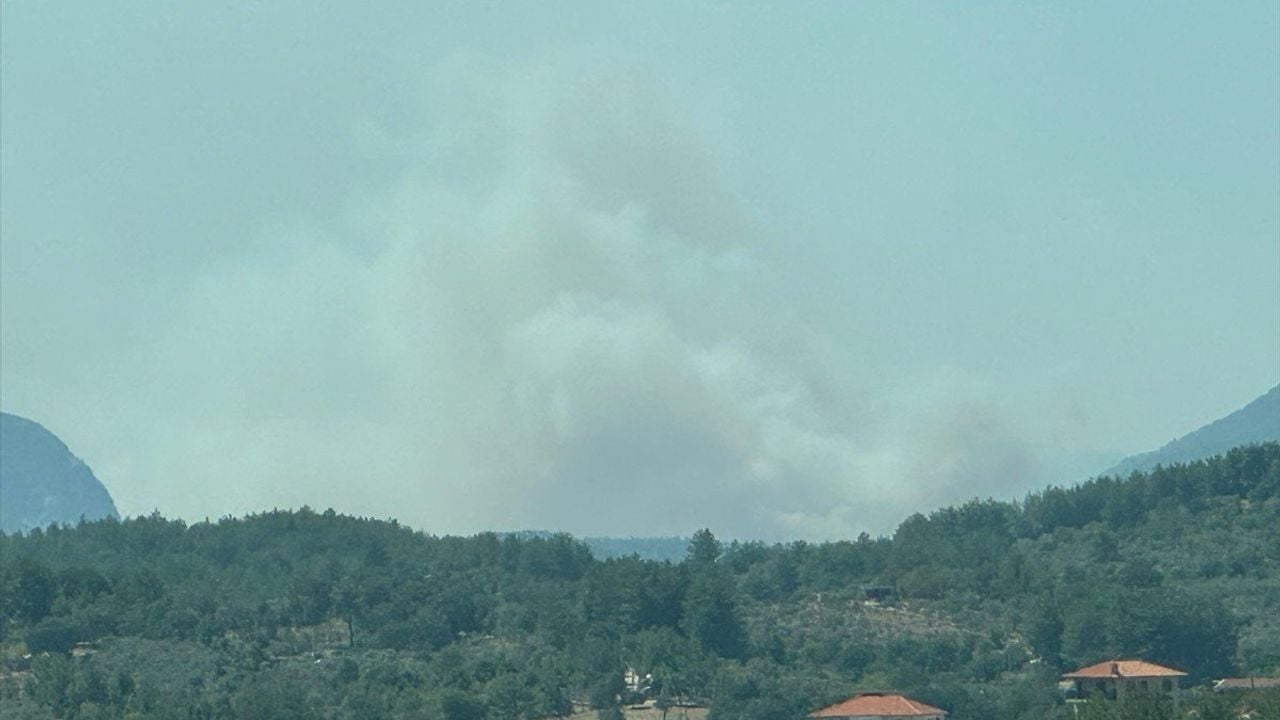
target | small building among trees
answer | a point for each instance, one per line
(877, 594)
(879, 706)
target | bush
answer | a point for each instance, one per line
(54, 635)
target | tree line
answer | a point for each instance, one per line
(298, 613)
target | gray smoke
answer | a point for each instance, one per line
(558, 317)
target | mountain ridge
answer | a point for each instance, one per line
(42, 481)
(1256, 422)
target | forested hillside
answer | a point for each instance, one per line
(300, 614)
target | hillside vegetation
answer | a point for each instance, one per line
(300, 614)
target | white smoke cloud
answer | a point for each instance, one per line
(560, 318)
(631, 273)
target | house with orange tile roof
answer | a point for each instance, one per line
(879, 706)
(1117, 679)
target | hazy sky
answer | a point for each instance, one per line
(784, 270)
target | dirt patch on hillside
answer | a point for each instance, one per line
(650, 713)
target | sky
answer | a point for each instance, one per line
(784, 270)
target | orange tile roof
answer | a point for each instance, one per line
(877, 705)
(1124, 668)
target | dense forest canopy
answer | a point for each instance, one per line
(317, 614)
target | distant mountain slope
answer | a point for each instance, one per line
(1257, 422)
(41, 482)
(603, 548)
(645, 548)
